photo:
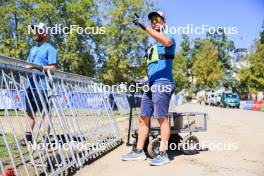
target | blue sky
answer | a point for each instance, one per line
(246, 15)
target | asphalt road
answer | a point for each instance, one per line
(243, 130)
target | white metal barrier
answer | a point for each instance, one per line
(74, 121)
(122, 103)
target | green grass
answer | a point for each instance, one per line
(11, 113)
(4, 152)
(4, 156)
(126, 116)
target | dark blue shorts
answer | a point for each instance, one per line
(36, 103)
(157, 99)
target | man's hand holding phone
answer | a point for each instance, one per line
(138, 22)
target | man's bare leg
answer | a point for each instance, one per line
(143, 131)
(30, 124)
(162, 158)
(165, 133)
(46, 124)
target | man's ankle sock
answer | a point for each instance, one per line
(163, 153)
(29, 136)
(138, 150)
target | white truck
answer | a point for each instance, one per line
(213, 98)
(210, 98)
(218, 97)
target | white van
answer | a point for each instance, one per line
(218, 98)
(210, 98)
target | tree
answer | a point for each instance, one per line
(14, 19)
(125, 43)
(180, 71)
(185, 45)
(207, 69)
(77, 52)
(224, 46)
(252, 77)
(186, 51)
(262, 34)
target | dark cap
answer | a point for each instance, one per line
(159, 13)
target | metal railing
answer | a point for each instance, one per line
(121, 100)
(73, 120)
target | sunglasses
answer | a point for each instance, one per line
(156, 19)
